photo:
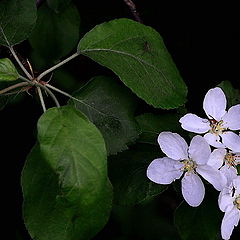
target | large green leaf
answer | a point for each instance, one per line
(54, 35)
(67, 194)
(128, 175)
(201, 223)
(151, 125)
(17, 19)
(137, 54)
(58, 5)
(110, 107)
(8, 71)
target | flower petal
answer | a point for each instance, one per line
(193, 189)
(199, 150)
(231, 140)
(236, 184)
(214, 140)
(230, 219)
(225, 200)
(164, 170)
(229, 172)
(231, 119)
(216, 158)
(173, 145)
(193, 123)
(215, 177)
(214, 103)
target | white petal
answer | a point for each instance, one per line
(231, 119)
(214, 103)
(164, 170)
(199, 150)
(193, 123)
(193, 189)
(173, 145)
(225, 200)
(231, 140)
(216, 158)
(229, 172)
(236, 184)
(215, 177)
(230, 219)
(214, 140)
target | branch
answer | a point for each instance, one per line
(20, 64)
(21, 84)
(133, 9)
(41, 99)
(57, 66)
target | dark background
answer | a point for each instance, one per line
(204, 43)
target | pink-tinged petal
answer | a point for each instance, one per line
(229, 172)
(193, 189)
(199, 150)
(216, 158)
(164, 170)
(173, 145)
(225, 200)
(231, 140)
(215, 177)
(230, 219)
(193, 123)
(214, 140)
(214, 103)
(231, 119)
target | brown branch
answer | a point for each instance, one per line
(133, 9)
(21, 84)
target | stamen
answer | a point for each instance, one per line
(232, 159)
(189, 165)
(237, 202)
(216, 127)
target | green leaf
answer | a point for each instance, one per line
(17, 19)
(110, 107)
(67, 194)
(201, 223)
(8, 71)
(151, 125)
(128, 175)
(58, 5)
(137, 54)
(232, 94)
(59, 34)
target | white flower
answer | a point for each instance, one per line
(216, 127)
(189, 161)
(229, 202)
(225, 161)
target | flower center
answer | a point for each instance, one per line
(232, 159)
(216, 126)
(188, 165)
(237, 202)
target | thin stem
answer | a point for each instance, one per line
(17, 85)
(133, 9)
(35, 83)
(20, 64)
(57, 66)
(41, 99)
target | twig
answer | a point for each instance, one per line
(17, 85)
(133, 9)
(20, 64)
(36, 83)
(57, 66)
(41, 99)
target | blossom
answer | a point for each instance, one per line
(219, 122)
(229, 202)
(225, 161)
(187, 161)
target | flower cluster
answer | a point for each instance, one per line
(197, 160)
